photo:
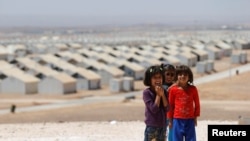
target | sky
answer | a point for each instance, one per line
(121, 12)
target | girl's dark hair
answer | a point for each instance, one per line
(151, 71)
(168, 67)
(185, 69)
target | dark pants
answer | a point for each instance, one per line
(157, 133)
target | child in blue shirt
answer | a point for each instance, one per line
(169, 75)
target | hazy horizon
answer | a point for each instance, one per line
(61, 13)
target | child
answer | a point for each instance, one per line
(169, 74)
(155, 99)
(184, 106)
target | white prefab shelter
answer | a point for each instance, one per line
(172, 51)
(213, 53)
(91, 64)
(147, 53)
(16, 81)
(104, 57)
(132, 69)
(201, 54)
(142, 61)
(209, 66)
(3, 54)
(148, 48)
(6, 66)
(243, 57)
(171, 47)
(239, 57)
(88, 53)
(57, 84)
(235, 58)
(74, 58)
(187, 58)
(75, 45)
(225, 48)
(175, 42)
(115, 84)
(17, 49)
(185, 49)
(128, 84)
(35, 68)
(38, 48)
(151, 61)
(61, 47)
(109, 72)
(87, 80)
(241, 44)
(65, 55)
(201, 67)
(172, 60)
(19, 84)
(55, 62)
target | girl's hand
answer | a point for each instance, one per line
(170, 124)
(195, 121)
(159, 91)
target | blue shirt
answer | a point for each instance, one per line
(154, 115)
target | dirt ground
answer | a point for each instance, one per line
(224, 99)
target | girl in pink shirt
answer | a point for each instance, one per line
(184, 106)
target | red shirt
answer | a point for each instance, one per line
(183, 104)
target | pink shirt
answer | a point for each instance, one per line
(183, 104)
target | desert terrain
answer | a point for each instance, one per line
(224, 101)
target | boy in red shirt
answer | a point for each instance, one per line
(184, 105)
